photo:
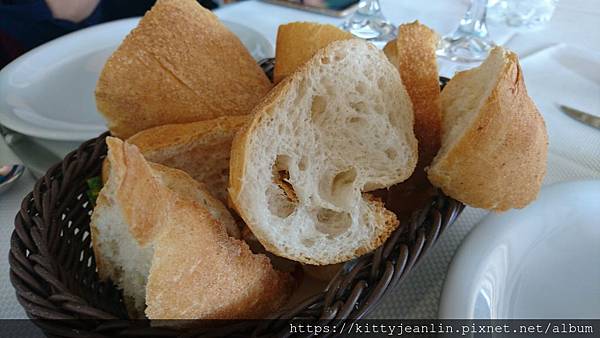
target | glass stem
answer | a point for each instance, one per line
(473, 23)
(369, 7)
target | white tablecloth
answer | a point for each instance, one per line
(560, 65)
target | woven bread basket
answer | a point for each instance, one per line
(53, 269)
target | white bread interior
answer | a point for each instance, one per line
(340, 126)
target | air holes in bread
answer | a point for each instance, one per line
(308, 242)
(391, 153)
(341, 187)
(281, 196)
(356, 120)
(359, 107)
(339, 55)
(324, 60)
(318, 107)
(332, 223)
(338, 191)
(300, 92)
(361, 88)
(329, 87)
(303, 163)
(381, 83)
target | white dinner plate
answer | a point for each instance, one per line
(540, 262)
(49, 91)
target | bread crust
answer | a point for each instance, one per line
(180, 64)
(223, 279)
(180, 182)
(413, 54)
(175, 135)
(197, 271)
(499, 162)
(201, 149)
(240, 156)
(297, 42)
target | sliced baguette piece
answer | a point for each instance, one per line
(494, 141)
(180, 64)
(201, 192)
(154, 237)
(297, 42)
(413, 54)
(338, 127)
(201, 149)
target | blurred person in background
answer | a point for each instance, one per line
(26, 24)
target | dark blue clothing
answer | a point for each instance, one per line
(26, 24)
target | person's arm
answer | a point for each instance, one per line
(72, 10)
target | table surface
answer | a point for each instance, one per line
(574, 149)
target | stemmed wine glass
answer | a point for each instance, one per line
(470, 42)
(369, 23)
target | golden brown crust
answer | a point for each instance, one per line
(201, 149)
(144, 226)
(413, 54)
(391, 51)
(197, 271)
(180, 182)
(387, 218)
(297, 42)
(173, 135)
(105, 269)
(105, 171)
(500, 160)
(179, 65)
(222, 279)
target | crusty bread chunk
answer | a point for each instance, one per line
(413, 54)
(180, 64)
(494, 141)
(297, 42)
(154, 236)
(340, 126)
(201, 149)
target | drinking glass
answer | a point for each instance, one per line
(530, 14)
(470, 42)
(369, 23)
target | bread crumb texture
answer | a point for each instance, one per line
(337, 128)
